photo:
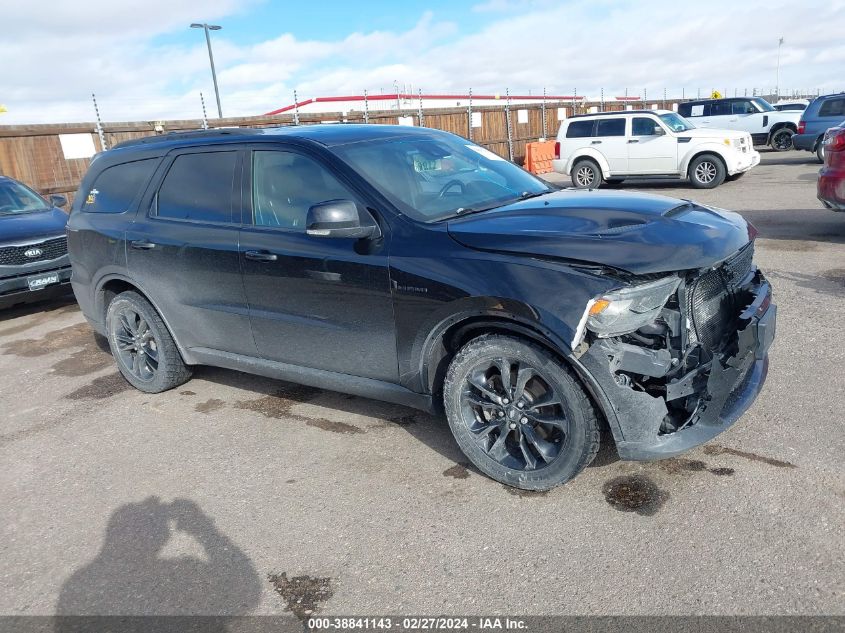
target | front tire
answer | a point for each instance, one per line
(142, 346)
(781, 140)
(518, 414)
(707, 171)
(586, 174)
(820, 151)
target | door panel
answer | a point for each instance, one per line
(649, 153)
(315, 302)
(184, 253)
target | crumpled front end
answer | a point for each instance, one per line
(688, 375)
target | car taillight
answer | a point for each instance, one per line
(836, 142)
(557, 149)
(802, 125)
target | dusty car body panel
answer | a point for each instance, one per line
(528, 269)
(639, 233)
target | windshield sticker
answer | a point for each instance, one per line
(421, 165)
(486, 153)
(92, 195)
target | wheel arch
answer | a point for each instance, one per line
(114, 284)
(779, 126)
(701, 152)
(445, 341)
(591, 154)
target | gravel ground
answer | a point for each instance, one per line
(238, 494)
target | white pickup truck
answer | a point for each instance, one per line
(755, 115)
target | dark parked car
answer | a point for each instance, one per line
(322, 255)
(33, 247)
(831, 186)
(823, 112)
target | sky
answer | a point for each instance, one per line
(143, 61)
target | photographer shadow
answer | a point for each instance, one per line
(132, 575)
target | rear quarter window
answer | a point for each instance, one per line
(832, 107)
(116, 187)
(688, 110)
(580, 129)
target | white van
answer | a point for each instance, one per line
(612, 146)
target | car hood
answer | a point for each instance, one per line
(637, 233)
(24, 226)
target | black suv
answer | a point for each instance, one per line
(33, 247)
(414, 266)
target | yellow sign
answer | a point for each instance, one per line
(715, 95)
(2, 108)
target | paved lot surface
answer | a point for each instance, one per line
(238, 494)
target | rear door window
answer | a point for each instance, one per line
(199, 187)
(116, 187)
(720, 108)
(833, 107)
(611, 127)
(580, 129)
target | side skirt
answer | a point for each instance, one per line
(320, 378)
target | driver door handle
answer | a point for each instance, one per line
(261, 256)
(142, 245)
(595, 142)
(633, 140)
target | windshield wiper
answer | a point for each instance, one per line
(527, 195)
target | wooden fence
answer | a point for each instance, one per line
(34, 155)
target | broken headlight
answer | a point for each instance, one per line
(628, 309)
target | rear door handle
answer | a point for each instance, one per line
(595, 142)
(261, 256)
(142, 245)
(633, 140)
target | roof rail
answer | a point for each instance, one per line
(174, 136)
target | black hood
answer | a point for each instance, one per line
(638, 233)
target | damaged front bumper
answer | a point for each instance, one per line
(725, 387)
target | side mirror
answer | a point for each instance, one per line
(58, 201)
(340, 218)
(659, 131)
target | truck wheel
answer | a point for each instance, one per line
(518, 414)
(142, 346)
(586, 174)
(781, 140)
(820, 151)
(706, 171)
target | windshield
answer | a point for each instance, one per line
(765, 106)
(431, 178)
(15, 198)
(676, 122)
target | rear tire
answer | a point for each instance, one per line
(535, 429)
(142, 346)
(820, 151)
(707, 171)
(586, 174)
(781, 140)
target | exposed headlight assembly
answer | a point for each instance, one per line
(625, 310)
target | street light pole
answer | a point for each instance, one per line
(777, 75)
(207, 28)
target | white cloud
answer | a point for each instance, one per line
(62, 55)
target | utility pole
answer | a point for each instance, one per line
(777, 72)
(207, 28)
